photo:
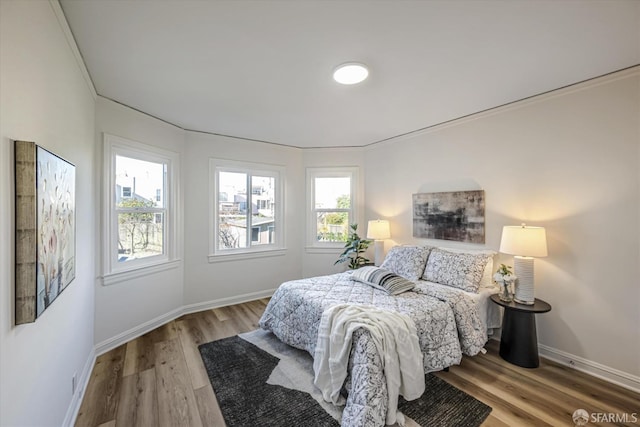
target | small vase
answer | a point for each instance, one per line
(505, 292)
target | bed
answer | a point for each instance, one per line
(450, 320)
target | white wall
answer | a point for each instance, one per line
(121, 308)
(44, 98)
(568, 161)
(208, 284)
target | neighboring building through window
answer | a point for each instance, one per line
(140, 221)
(139, 216)
(247, 207)
(332, 202)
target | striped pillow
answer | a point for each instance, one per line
(382, 279)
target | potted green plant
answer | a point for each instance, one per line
(354, 246)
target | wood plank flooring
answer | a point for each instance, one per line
(159, 379)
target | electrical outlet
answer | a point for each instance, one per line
(74, 383)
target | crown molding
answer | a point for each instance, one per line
(71, 41)
(625, 73)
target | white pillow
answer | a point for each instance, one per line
(407, 261)
(487, 276)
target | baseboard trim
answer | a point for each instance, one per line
(78, 396)
(615, 376)
(595, 369)
(135, 332)
(223, 302)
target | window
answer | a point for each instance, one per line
(140, 219)
(331, 197)
(247, 209)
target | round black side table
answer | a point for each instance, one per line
(519, 340)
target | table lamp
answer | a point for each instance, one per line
(525, 243)
(378, 230)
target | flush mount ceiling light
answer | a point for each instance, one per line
(350, 73)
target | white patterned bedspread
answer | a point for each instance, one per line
(446, 320)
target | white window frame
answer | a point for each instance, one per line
(352, 172)
(114, 271)
(259, 169)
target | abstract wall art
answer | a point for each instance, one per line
(45, 229)
(457, 215)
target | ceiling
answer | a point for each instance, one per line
(262, 69)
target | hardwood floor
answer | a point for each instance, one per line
(158, 379)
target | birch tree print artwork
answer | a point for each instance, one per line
(55, 227)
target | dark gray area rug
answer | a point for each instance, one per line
(239, 370)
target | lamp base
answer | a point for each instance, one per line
(523, 268)
(379, 252)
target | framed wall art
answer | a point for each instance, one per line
(457, 215)
(45, 229)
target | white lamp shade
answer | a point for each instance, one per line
(525, 241)
(378, 229)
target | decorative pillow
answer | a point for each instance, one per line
(487, 276)
(407, 261)
(382, 279)
(459, 270)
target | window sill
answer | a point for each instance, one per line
(239, 256)
(324, 249)
(123, 276)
